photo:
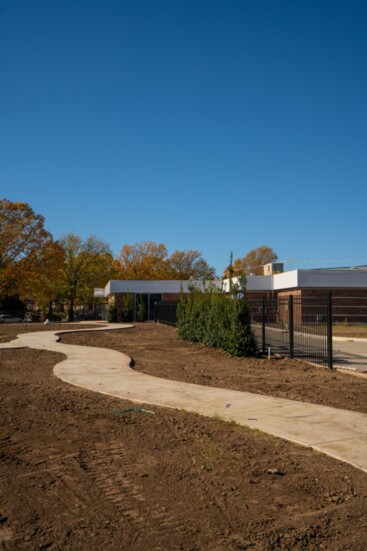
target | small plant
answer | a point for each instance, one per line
(111, 313)
(141, 311)
(127, 311)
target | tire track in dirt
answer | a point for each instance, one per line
(12, 451)
(118, 476)
(222, 535)
(47, 481)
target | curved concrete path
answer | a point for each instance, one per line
(336, 432)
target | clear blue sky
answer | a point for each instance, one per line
(213, 125)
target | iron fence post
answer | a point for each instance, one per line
(330, 330)
(291, 327)
(263, 325)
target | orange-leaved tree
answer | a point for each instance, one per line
(42, 280)
(190, 264)
(149, 261)
(146, 260)
(23, 244)
(252, 263)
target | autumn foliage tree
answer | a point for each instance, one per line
(149, 261)
(252, 263)
(189, 264)
(33, 265)
(24, 242)
(146, 260)
(43, 282)
(87, 264)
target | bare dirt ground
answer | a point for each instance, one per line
(79, 472)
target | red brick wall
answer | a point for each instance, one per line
(349, 305)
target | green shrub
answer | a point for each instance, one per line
(111, 314)
(216, 319)
(127, 310)
(141, 311)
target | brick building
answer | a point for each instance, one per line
(348, 286)
(120, 292)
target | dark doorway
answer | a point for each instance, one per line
(152, 299)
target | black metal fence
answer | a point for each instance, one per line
(166, 312)
(296, 326)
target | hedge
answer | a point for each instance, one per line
(216, 319)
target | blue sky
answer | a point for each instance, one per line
(212, 125)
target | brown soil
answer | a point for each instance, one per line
(80, 473)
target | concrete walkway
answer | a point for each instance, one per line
(350, 354)
(338, 433)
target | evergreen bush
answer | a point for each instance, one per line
(216, 319)
(127, 310)
(141, 311)
(111, 314)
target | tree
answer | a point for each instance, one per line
(149, 260)
(253, 262)
(44, 282)
(23, 242)
(97, 274)
(189, 264)
(87, 264)
(146, 260)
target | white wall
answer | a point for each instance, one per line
(152, 287)
(285, 280)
